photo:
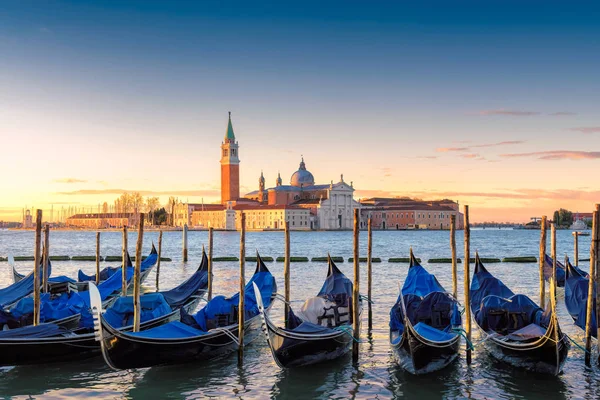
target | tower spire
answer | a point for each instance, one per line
(229, 135)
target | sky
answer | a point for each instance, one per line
(494, 104)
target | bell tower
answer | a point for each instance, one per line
(230, 166)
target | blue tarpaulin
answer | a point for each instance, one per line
(152, 305)
(576, 294)
(176, 297)
(42, 330)
(107, 272)
(497, 309)
(218, 312)
(428, 306)
(18, 290)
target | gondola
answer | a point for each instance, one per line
(576, 297)
(54, 343)
(514, 328)
(209, 333)
(323, 329)
(146, 265)
(560, 271)
(424, 323)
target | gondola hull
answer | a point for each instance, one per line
(545, 355)
(292, 349)
(78, 345)
(24, 351)
(126, 352)
(417, 355)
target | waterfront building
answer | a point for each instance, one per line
(27, 219)
(406, 213)
(331, 205)
(103, 220)
(303, 203)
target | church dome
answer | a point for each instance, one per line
(302, 177)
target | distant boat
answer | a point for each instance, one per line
(579, 225)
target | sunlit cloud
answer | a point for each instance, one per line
(70, 180)
(470, 155)
(448, 149)
(513, 113)
(205, 192)
(587, 129)
(505, 143)
(557, 155)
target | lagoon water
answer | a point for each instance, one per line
(376, 375)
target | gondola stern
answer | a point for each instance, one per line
(413, 260)
(260, 265)
(333, 269)
(479, 268)
(204, 262)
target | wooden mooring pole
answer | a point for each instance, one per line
(356, 291)
(596, 227)
(46, 258)
(37, 259)
(286, 273)
(137, 279)
(210, 263)
(542, 261)
(185, 243)
(467, 281)
(242, 288)
(124, 263)
(160, 233)
(370, 270)
(97, 258)
(553, 254)
(591, 285)
(453, 250)
(576, 248)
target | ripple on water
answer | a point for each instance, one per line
(376, 375)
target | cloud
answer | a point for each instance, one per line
(505, 143)
(207, 192)
(427, 157)
(477, 156)
(562, 113)
(513, 113)
(470, 155)
(70, 180)
(587, 129)
(447, 149)
(557, 155)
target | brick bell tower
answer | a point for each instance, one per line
(230, 166)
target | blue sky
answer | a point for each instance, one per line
(371, 89)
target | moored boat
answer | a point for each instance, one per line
(576, 297)
(424, 323)
(514, 328)
(323, 329)
(54, 343)
(209, 333)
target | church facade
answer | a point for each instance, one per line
(303, 203)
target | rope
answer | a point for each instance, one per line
(348, 329)
(578, 345)
(366, 298)
(463, 333)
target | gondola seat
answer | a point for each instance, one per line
(506, 316)
(153, 305)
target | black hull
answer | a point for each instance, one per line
(418, 355)
(291, 349)
(546, 355)
(77, 346)
(122, 351)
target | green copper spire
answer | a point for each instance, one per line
(229, 135)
